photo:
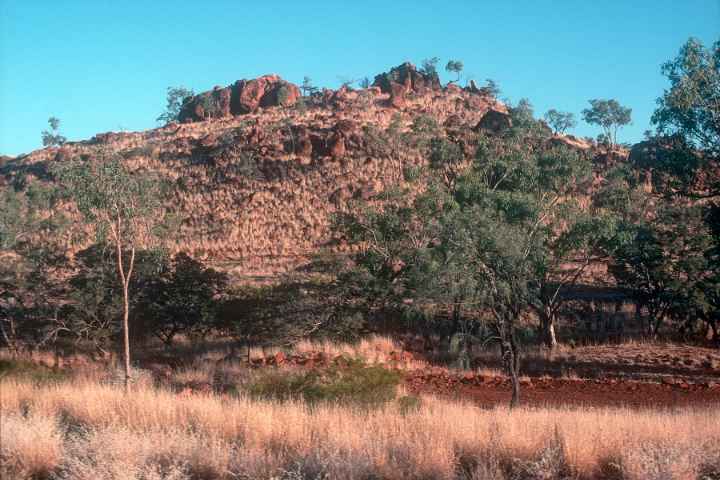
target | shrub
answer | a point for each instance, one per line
(354, 382)
(29, 371)
(176, 98)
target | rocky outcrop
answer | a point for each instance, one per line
(404, 80)
(569, 141)
(494, 121)
(243, 97)
(256, 188)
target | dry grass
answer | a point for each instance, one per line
(86, 430)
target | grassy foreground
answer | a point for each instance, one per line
(88, 430)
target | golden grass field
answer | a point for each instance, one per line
(85, 429)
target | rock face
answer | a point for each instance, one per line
(404, 80)
(569, 141)
(243, 97)
(494, 121)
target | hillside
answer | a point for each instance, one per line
(257, 171)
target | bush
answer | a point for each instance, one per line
(26, 370)
(409, 404)
(354, 382)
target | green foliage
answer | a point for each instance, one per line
(446, 158)
(122, 206)
(307, 87)
(52, 137)
(690, 107)
(560, 121)
(347, 381)
(111, 197)
(487, 246)
(524, 123)
(609, 115)
(491, 88)
(666, 266)
(283, 95)
(176, 98)
(13, 217)
(25, 370)
(455, 66)
(429, 67)
(94, 306)
(29, 242)
(422, 130)
(182, 297)
(686, 161)
(364, 82)
(291, 310)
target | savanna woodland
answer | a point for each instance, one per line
(396, 279)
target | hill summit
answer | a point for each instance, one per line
(257, 170)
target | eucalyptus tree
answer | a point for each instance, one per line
(609, 115)
(124, 208)
(560, 121)
(486, 247)
(176, 98)
(29, 251)
(684, 159)
(690, 108)
(456, 67)
(52, 137)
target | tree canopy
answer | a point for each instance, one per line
(609, 115)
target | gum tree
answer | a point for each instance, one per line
(456, 67)
(609, 115)
(52, 137)
(560, 122)
(479, 251)
(123, 207)
(176, 97)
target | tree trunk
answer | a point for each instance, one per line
(511, 359)
(547, 321)
(126, 336)
(125, 280)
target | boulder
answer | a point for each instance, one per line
(244, 96)
(265, 91)
(453, 88)
(397, 95)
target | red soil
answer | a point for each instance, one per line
(563, 392)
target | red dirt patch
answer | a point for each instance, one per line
(490, 391)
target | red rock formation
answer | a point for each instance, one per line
(403, 80)
(243, 97)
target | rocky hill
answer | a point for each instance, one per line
(258, 170)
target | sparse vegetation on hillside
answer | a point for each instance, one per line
(52, 137)
(456, 67)
(176, 97)
(560, 122)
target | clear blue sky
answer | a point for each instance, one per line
(105, 65)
